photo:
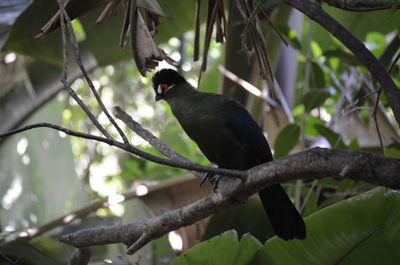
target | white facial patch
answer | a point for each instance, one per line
(159, 90)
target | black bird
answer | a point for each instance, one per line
(228, 136)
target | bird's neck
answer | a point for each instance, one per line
(180, 94)
(182, 99)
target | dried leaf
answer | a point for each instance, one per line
(145, 51)
(151, 6)
(110, 10)
(138, 30)
(247, 8)
(74, 8)
(215, 16)
(125, 26)
(197, 31)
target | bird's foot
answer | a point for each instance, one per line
(213, 179)
(207, 176)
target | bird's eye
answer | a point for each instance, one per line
(164, 86)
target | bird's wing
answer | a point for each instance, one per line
(249, 134)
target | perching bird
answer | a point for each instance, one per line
(228, 136)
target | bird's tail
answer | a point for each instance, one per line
(283, 215)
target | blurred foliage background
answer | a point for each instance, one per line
(327, 99)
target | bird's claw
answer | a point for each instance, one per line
(207, 176)
(214, 180)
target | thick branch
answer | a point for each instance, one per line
(314, 11)
(81, 256)
(319, 163)
(362, 6)
(308, 165)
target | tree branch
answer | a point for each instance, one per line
(316, 163)
(81, 256)
(147, 135)
(362, 6)
(132, 150)
(314, 11)
(152, 140)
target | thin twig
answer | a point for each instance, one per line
(375, 116)
(64, 80)
(255, 12)
(147, 135)
(307, 197)
(64, 39)
(78, 100)
(88, 80)
(135, 151)
(375, 112)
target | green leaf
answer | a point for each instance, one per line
(221, 250)
(334, 139)
(248, 247)
(393, 150)
(393, 8)
(25, 253)
(318, 76)
(315, 99)
(10, 11)
(358, 23)
(354, 145)
(290, 35)
(361, 230)
(22, 36)
(286, 140)
(103, 39)
(342, 55)
(310, 122)
(247, 218)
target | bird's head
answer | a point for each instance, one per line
(165, 80)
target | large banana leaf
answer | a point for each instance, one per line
(361, 230)
(221, 250)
